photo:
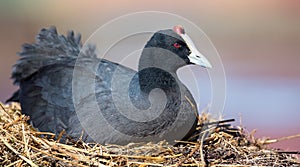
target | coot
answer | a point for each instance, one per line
(150, 104)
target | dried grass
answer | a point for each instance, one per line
(21, 145)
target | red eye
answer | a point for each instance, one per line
(176, 45)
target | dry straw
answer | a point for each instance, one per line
(21, 145)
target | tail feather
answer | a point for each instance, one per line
(50, 48)
(14, 97)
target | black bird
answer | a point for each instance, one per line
(64, 86)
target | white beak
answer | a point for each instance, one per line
(195, 56)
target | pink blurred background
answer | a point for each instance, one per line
(258, 41)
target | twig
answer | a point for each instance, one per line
(19, 154)
(270, 141)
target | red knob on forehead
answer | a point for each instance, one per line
(178, 29)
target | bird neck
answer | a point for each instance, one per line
(154, 73)
(157, 68)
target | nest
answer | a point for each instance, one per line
(21, 145)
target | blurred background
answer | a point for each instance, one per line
(258, 41)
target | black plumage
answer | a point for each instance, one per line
(54, 99)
